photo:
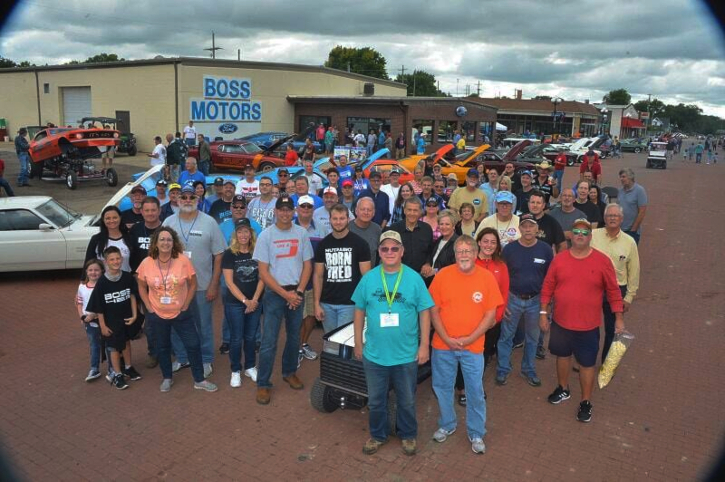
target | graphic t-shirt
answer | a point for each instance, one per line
(285, 251)
(167, 284)
(508, 231)
(221, 210)
(342, 258)
(550, 231)
(463, 299)
(262, 211)
(248, 189)
(392, 342)
(83, 296)
(141, 239)
(112, 299)
(527, 266)
(245, 272)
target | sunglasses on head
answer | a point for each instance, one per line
(583, 232)
(392, 249)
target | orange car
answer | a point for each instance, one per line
(386, 165)
(460, 164)
(410, 162)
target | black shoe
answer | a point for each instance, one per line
(559, 395)
(119, 382)
(131, 373)
(541, 353)
(462, 400)
(224, 348)
(585, 412)
(518, 345)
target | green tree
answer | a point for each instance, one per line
(420, 84)
(365, 61)
(618, 97)
(655, 107)
(103, 57)
(686, 117)
(6, 63)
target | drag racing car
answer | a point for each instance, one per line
(126, 140)
(68, 153)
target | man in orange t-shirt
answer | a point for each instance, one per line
(466, 297)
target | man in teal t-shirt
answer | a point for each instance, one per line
(396, 303)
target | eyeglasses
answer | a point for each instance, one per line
(464, 252)
(265, 184)
(305, 206)
(282, 174)
(187, 198)
(239, 206)
(391, 249)
(583, 232)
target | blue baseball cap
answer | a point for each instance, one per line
(188, 188)
(473, 173)
(527, 173)
(505, 197)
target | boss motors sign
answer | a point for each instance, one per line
(226, 102)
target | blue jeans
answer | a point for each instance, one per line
(634, 235)
(559, 178)
(24, 159)
(190, 142)
(243, 326)
(370, 149)
(403, 379)
(201, 309)
(276, 310)
(6, 185)
(529, 310)
(94, 341)
(204, 167)
(150, 329)
(184, 328)
(337, 315)
(445, 365)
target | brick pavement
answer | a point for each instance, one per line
(661, 418)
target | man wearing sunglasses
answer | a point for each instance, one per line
(397, 305)
(282, 178)
(579, 278)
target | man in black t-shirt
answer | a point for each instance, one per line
(550, 231)
(522, 195)
(221, 209)
(129, 217)
(583, 204)
(341, 259)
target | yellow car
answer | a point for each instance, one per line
(411, 161)
(462, 163)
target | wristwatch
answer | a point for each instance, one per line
(300, 293)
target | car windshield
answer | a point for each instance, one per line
(57, 213)
(251, 148)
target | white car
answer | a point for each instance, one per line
(39, 233)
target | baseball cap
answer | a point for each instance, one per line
(306, 200)
(173, 186)
(375, 175)
(527, 173)
(395, 171)
(528, 218)
(394, 235)
(284, 202)
(239, 199)
(582, 221)
(329, 190)
(358, 169)
(346, 182)
(249, 166)
(219, 181)
(138, 188)
(242, 223)
(473, 173)
(162, 182)
(453, 177)
(228, 181)
(504, 197)
(188, 188)
(282, 170)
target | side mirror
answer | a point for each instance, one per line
(45, 227)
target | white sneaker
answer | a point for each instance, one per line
(207, 370)
(251, 373)
(477, 445)
(236, 380)
(166, 385)
(175, 367)
(441, 435)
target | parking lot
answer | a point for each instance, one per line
(661, 418)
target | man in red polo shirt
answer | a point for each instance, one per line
(590, 162)
(578, 278)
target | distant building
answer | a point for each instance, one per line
(622, 121)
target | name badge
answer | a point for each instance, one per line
(539, 261)
(389, 320)
(166, 300)
(187, 254)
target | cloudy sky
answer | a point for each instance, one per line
(672, 49)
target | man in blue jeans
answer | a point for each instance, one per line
(21, 149)
(528, 261)
(397, 305)
(284, 254)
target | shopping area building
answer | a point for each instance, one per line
(228, 99)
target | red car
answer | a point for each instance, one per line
(386, 165)
(237, 154)
(65, 152)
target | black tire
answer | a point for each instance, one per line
(320, 398)
(392, 412)
(132, 151)
(111, 177)
(648, 165)
(36, 170)
(569, 161)
(637, 150)
(266, 166)
(664, 165)
(71, 180)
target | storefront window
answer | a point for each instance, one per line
(487, 129)
(313, 120)
(469, 128)
(446, 131)
(422, 127)
(366, 124)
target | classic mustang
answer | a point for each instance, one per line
(237, 155)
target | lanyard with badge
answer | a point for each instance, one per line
(166, 299)
(187, 236)
(390, 319)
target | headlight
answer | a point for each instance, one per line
(331, 347)
(115, 134)
(79, 136)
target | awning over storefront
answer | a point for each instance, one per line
(630, 123)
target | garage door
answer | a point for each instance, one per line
(76, 104)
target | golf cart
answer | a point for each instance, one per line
(127, 141)
(342, 378)
(657, 157)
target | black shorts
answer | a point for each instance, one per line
(584, 345)
(117, 340)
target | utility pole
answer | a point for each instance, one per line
(649, 113)
(402, 71)
(213, 48)
(457, 80)
(478, 89)
(239, 55)
(348, 66)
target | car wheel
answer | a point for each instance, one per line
(111, 177)
(392, 412)
(320, 398)
(36, 170)
(266, 166)
(132, 151)
(637, 150)
(71, 180)
(570, 161)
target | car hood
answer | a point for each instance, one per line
(146, 179)
(376, 155)
(516, 150)
(275, 145)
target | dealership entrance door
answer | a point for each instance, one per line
(76, 104)
(124, 121)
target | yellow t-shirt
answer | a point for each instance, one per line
(463, 195)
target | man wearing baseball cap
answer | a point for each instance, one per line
(527, 260)
(470, 193)
(221, 209)
(161, 186)
(578, 279)
(171, 207)
(522, 195)
(392, 188)
(347, 197)
(284, 254)
(396, 303)
(503, 221)
(249, 186)
(218, 187)
(321, 215)
(133, 215)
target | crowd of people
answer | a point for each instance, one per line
(432, 272)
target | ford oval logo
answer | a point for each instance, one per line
(228, 128)
(461, 111)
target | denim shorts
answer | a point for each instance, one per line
(584, 345)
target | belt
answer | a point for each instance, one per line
(525, 297)
(289, 287)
